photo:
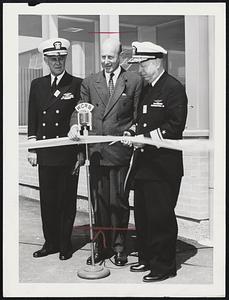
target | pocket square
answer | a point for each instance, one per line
(123, 94)
(67, 96)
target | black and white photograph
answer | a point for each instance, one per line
(114, 150)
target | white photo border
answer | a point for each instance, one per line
(12, 287)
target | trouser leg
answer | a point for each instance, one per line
(140, 217)
(58, 192)
(110, 204)
(99, 178)
(49, 205)
(161, 225)
(67, 192)
(119, 208)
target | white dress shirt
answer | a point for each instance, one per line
(155, 81)
(58, 78)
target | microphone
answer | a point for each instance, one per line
(84, 115)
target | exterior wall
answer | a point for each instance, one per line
(193, 200)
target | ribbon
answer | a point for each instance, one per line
(183, 145)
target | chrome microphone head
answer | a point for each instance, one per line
(84, 114)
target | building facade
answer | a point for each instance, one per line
(190, 44)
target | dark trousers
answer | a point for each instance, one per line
(111, 205)
(58, 193)
(156, 225)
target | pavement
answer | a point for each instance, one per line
(194, 261)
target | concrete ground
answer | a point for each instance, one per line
(194, 261)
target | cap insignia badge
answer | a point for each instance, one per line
(57, 45)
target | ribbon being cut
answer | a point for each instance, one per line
(183, 145)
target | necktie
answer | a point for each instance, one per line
(54, 85)
(111, 85)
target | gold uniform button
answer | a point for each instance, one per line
(57, 136)
(43, 137)
(56, 124)
(144, 125)
(44, 112)
(142, 150)
(43, 124)
(57, 111)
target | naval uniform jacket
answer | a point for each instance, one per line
(49, 116)
(111, 116)
(162, 108)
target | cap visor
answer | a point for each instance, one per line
(56, 53)
(136, 60)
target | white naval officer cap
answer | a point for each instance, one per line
(142, 51)
(54, 46)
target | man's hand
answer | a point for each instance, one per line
(138, 145)
(126, 142)
(32, 158)
(74, 133)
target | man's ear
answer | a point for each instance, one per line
(158, 63)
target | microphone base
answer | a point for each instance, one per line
(93, 272)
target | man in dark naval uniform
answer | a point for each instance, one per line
(51, 102)
(156, 173)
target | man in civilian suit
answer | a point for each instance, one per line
(51, 102)
(114, 93)
(156, 173)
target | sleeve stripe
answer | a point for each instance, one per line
(159, 133)
(32, 137)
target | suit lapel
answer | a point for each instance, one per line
(119, 88)
(101, 88)
(63, 87)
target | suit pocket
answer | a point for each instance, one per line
(125, 108)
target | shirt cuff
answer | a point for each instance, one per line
(154, 134)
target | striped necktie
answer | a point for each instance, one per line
(111, 85)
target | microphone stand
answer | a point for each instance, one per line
(91, 271)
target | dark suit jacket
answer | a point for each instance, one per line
(111, 116)
(163, 106)
(49, 116)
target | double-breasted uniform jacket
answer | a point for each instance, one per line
(113, 116)
(49, 116)
(162, 110)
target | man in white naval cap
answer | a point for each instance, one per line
(156, 172)
(52, 100)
